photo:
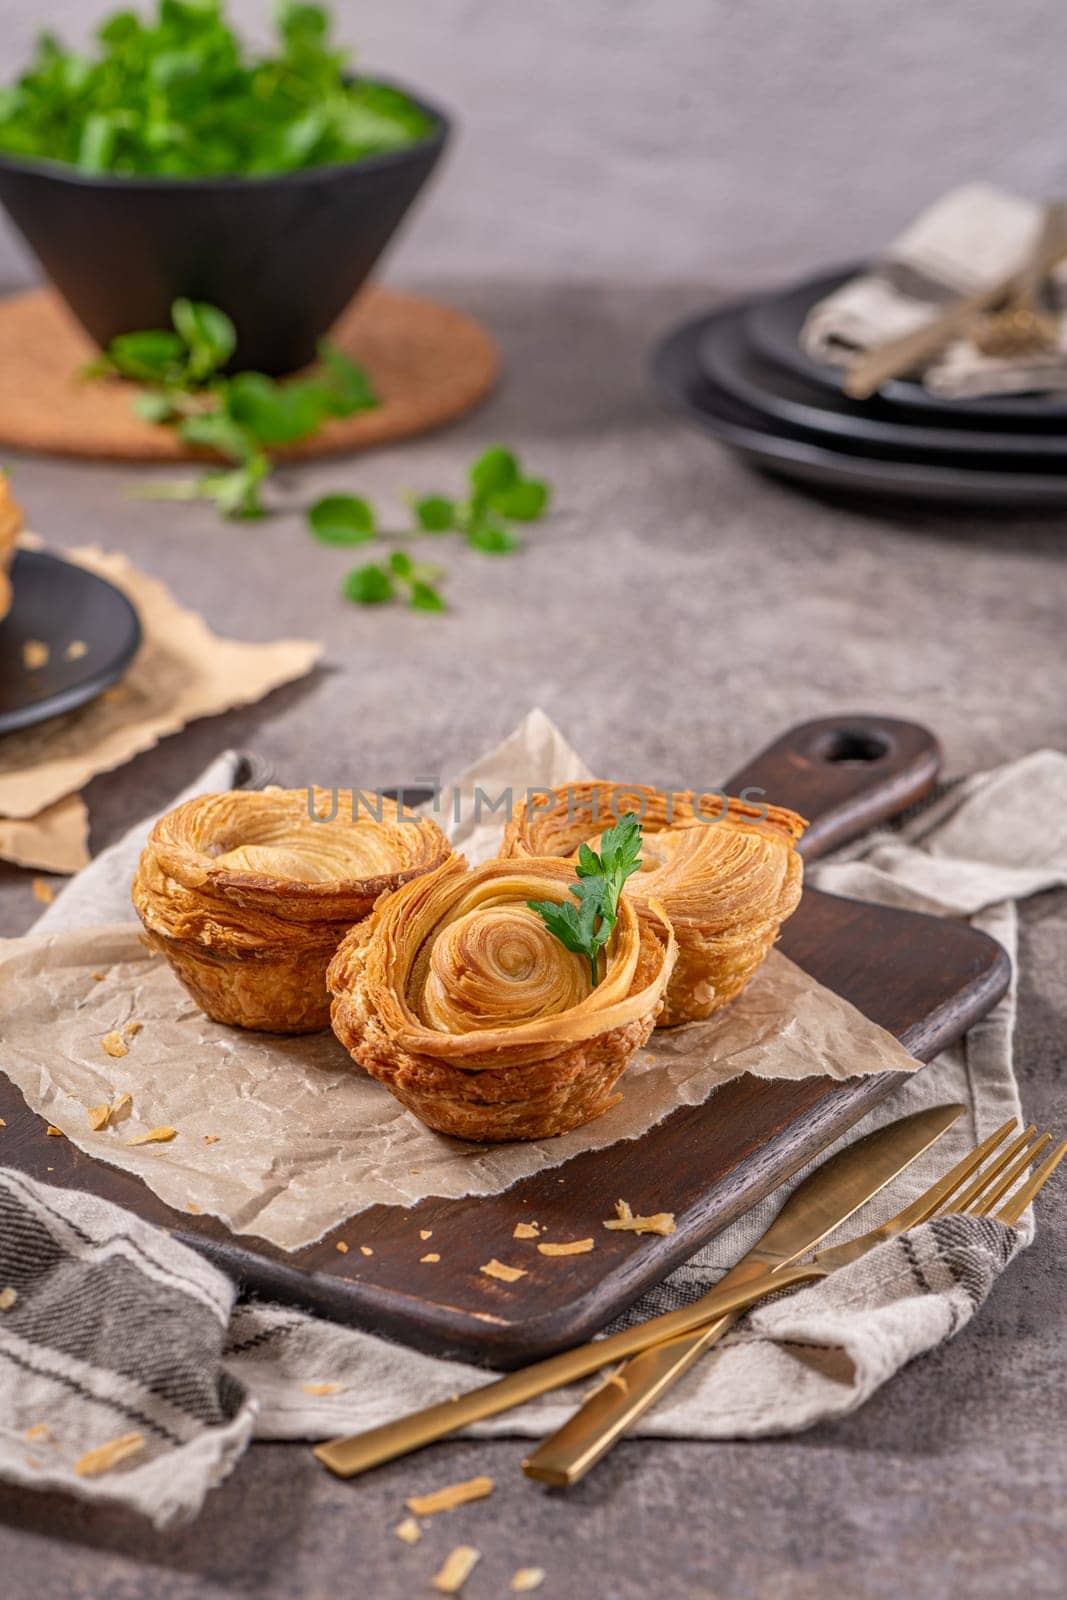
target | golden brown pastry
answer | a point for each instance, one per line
(459, 999)
(726, 885)
(10, 528)
(248, 895)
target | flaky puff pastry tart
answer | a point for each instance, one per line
(10, 528)
(248, 895)
(456, 996)
(726, 873)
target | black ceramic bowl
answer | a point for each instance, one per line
(282, 255)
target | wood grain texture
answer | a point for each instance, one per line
(923, 979)
(428, 363)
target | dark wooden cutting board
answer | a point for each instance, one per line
(924, 979)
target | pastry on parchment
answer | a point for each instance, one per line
(10, 528)
(727, 882)
(248, 895)
(456, 996)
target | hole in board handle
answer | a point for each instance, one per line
(854, 747)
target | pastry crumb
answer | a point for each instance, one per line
(458, 1567)
(161, 1135)
(108, 1455)
(76, 649)
(526, 1230)
(408, 1530)
(43, 891)
(8, 1296)
(323, 1388)
(53, 1132)
(132, 1029)
(624, 1221)
(499, 1269)
(425, 1233)
(526, 1580)
(431, 1255)
(113, 1044)
(40, 1430)
(447, 1499)
(35, 654)
(193, 1207)
(211, 1138)
(121, 1106)
(98, 977)
(341, 1247)
(365, 1250)
(3, 1124)
(576, 1247)
(99, 1117)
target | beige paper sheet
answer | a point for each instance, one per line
(304, 1138)
(182, 671)
(55, 840)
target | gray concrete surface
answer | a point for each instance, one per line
(673, 615)
(690, 138)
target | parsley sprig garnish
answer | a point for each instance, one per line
(240, 416)
(587, 927)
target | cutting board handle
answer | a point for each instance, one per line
(845, 774)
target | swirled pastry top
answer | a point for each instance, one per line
(255, 859)
(709, 859)
(456, 966)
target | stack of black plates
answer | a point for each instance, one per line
(740, 373)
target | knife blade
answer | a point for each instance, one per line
(886, 1152)
(825, 1199)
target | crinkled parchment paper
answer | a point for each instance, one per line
(302, 1138)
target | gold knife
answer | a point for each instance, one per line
(828, 1197)
(823, 1201)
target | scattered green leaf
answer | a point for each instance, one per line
(368, 586)
(435, 514)
(342, 519)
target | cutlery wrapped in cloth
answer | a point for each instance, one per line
(968, 239)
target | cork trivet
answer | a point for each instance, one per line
(428, 365)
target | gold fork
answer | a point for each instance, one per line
(349, 1456)
(568, 1454)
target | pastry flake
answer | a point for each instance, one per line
(575, 1247)
(456, 1494)
(726, 874)
(501, 1270)
(458, 998)
(248, 894)
(624, 1221)
(458, 1567)
(108, 1455)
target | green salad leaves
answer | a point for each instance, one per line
(240, 416)
(177, 95)
(587, 927)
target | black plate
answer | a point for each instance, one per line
(734, 366)
(58, 603)
(759, 439)
(773, 326)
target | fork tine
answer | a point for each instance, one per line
(1013, 1209)
(934, 1199)
(964, 1200)
(985, 1202)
